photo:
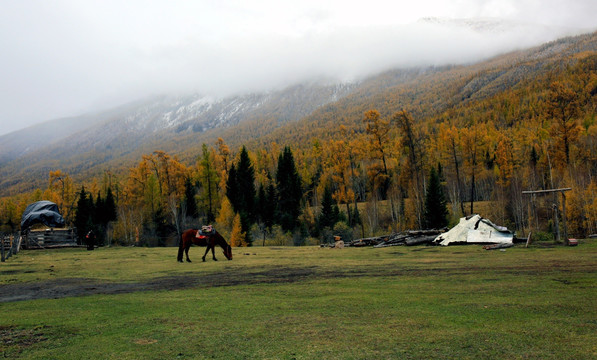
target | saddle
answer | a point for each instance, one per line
(205, 231)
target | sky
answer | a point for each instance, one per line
(62, 58)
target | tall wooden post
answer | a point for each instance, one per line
(564, 219)
(556, 218)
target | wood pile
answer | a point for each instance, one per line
(498, 246)
(408, 238)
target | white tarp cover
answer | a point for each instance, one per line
(475, 230)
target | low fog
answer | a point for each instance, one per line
(64, 58)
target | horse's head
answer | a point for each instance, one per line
(228, 252)
(224, 245)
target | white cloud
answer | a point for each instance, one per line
(66, 57)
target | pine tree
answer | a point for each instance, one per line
(290, 193)
(110, 206)
(261, 206)
(245, 178)
(328, 216)
(99, 212)
(189, 199)
(270, 208)
(266, 204)
(436, 211)
(240, 190)
(190, 203)
(83, 215)
(99, 218)
(243, 190)
(161, 226)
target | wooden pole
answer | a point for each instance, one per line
(528, 240)
(556, 219)
(564, 218)
(2, 249)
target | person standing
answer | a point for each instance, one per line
(90, 237)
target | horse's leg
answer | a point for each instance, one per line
(213, 252)
(186, 251)
(180, 252)
(206, 251)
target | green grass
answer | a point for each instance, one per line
(308, 303)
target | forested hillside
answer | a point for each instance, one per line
(364, 163)
(116, 138)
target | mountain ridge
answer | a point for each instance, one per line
(116, 138)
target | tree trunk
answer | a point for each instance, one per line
(458, 185)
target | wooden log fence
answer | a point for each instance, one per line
(52, 238)
(9, 245)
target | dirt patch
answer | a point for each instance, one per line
(426, 249)
(14, 340)
(9, 272)
(145, 341)
(68, 287)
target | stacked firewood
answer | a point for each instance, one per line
(408, 238)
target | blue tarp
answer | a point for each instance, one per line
(44, 212)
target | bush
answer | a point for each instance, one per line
(542, 236)
(278, 237)
(327, 235)
(344, 231)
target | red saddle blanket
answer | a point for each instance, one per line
(205, 231)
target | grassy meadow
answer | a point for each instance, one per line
(459, 302)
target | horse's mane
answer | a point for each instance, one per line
(219, 238)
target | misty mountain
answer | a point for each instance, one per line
(492, 25)
(116, 139)
(79, 143)
(143, 119)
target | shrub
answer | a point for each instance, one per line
(542, 236)
(344, 231)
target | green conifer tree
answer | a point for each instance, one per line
(436, 211)
(110, 206)
(289, 191)
(329, 214)
(191, 204)
(83, 215)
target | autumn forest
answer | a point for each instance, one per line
(462, 140)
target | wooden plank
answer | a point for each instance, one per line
(498, 246)
(545, 191)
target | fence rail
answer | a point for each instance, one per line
(50, 238)
(9, 245)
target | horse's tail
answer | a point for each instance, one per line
(180, 247)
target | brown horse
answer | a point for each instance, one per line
(189, 237)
